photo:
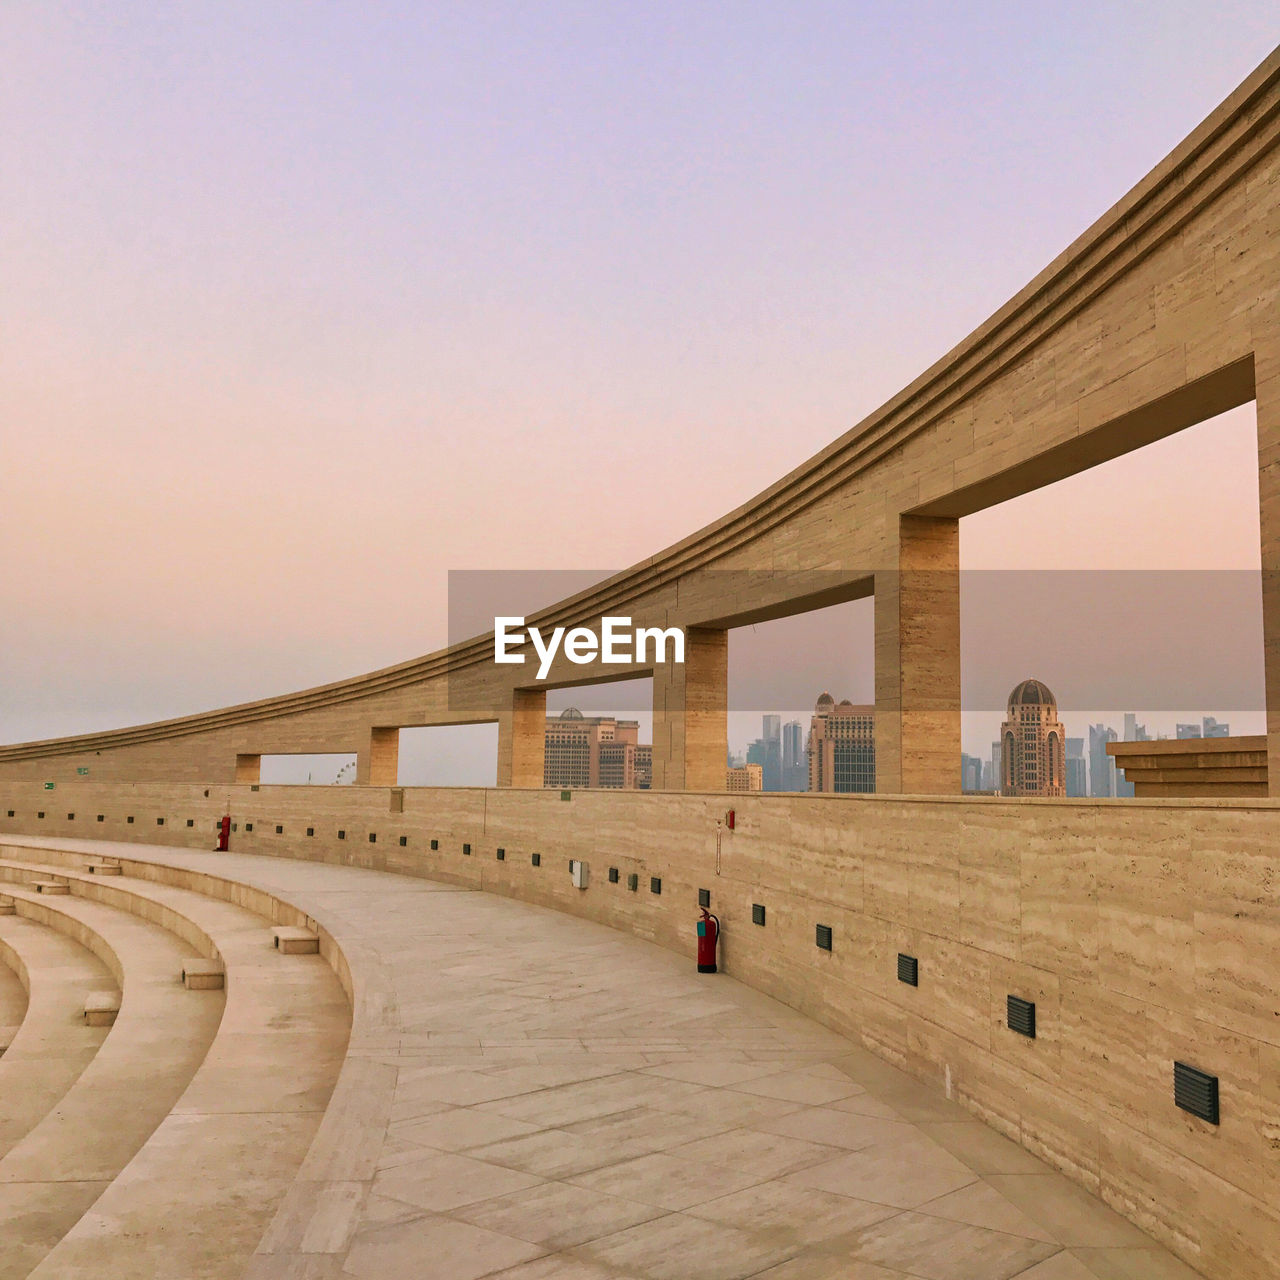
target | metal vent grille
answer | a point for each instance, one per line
(908, 970)
(1021, 1016)
(704, 897)
(655, 884)
(613, 875)
(311, 831)
(1195, 1091)
(248, 826)
(633, 881)
(757, 913)
(466, 848)
(536, 859)
(435, 844)
(822, 936)
(502, 855)
(404, 840)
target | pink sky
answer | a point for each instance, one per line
(303, 308)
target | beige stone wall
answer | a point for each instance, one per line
(1144, 931)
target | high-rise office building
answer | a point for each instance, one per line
(772, 739)
(970, 772)
(996, 774)
(1077, 774)
(842, 746)
(1215, 729)
(595, 751)
(1102, 767)
(795, 764)
(1033, 751)
(747, 777)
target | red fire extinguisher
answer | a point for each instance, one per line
(224, 834)
(708, 935)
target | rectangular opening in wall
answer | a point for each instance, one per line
(466, 849)
(757, 913)
(502, 855)
(102, 817)
(613, 875)
(822, 936)
(159, 822)
(329, 768)
(1021, 1016)
(704, 897)
(1195, 1091)
(71, 817)
(191, 822)
(450, 755)
(311, 831)
(373, 837)
(435, 844)
(599, 737)
(404, 840)
(536, 859)
(248, 826)
(655, 884)
(803, 675)
(908, 970)
(1144, 626)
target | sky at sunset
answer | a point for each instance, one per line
(304, 306)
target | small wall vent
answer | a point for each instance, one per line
(704, 897)
(655, 884)
(822, 936)
(1195, 1091)
(613, 875)
(1021, 1016)
(757, 913)
(908, 970)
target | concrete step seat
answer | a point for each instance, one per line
(323, 1202)
(51, 1045)
(250, 1113)
(53, 1174)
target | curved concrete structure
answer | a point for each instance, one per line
(1146, 934)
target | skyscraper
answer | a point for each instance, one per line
(795, 765)
(842, 747)
(970, 772)
(1077, 775)
(1033, 752)
(1102, 767)
(772, 739)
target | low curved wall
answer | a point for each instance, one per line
(1145, 932)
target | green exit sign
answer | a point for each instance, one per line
(48, 786)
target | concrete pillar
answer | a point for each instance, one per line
(1266, 333)
(379, 766)
(249, 769)
(918, 661)
(522, 738)
(690, 715)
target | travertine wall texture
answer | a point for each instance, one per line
(1161, 314)
(1145, 932)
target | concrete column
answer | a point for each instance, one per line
(690, 715)
(522, 738)
(918, 661)
(1266, 333)
(379, 766)
(249, 769)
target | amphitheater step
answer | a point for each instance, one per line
(103, 868)
(50, 886)
(292, 941)
(50, 1046)
(55, 1172)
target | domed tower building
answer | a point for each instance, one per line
(1033, 744)
(842, 746)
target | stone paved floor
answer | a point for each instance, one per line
(575, 1104)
